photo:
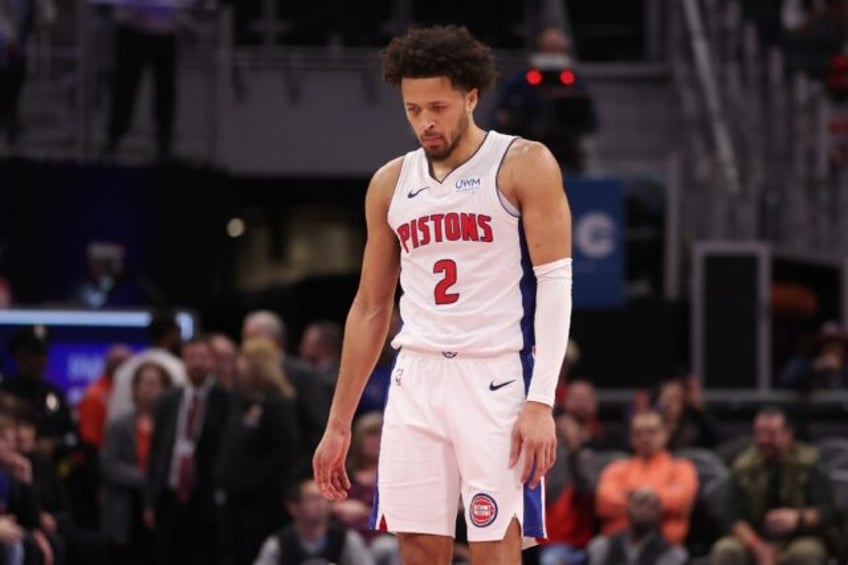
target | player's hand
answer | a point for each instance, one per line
(329, 463)
(534, 438)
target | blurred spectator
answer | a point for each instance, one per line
(642, 542)
(259, 452)
(55, 520)
(5, 294)
(188, 428)
(377, 387)
(312, 538)
(313, 394)
(355, 511)
(92, 408)
(145, 37)
(19, 515)
(29, 348)
(17, 21)
(651, 470)
(570, 496)
(779, 506)
(581, 403)
(224, 350)
(572, 357)
(124, 460)
(108, 282)
(812, 46)
(165, 341)
(826, 368)
(321, 347)
(549, 101)
(682, 407)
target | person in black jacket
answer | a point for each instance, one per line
(29, 347)
(311, 388)
(188, 425)
(259, 454)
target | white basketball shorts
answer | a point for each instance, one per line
(447, 431)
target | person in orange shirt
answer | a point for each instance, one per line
(652, 469)
(92, 407)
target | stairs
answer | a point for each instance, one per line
(640, 118)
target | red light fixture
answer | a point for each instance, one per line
(534, 77)
(566, 77)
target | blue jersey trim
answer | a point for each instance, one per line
(528, 306)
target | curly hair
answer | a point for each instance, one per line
(436, 51)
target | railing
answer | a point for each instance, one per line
(757, 165)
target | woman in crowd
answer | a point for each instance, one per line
(123, 459)
(259, 454)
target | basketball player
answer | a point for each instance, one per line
(477, 226)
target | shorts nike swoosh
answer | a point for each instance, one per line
(493, 386)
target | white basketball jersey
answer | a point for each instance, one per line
(468, 285)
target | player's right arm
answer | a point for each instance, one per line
(365, 332)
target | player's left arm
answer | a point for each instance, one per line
(532, 179)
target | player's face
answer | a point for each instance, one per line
(438, 113)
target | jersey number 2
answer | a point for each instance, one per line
(448, 268)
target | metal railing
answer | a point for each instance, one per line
(757, 163)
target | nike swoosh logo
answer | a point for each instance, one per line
(414, 193)
(493, 386)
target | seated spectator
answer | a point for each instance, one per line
(680, 403)
(642, 542)
(652, 469)
(826, 368)
(312, 538)
(581, 403)
(50, 493)
(123, 463)
(355, 511)
(95, 402)
(20, 541)
(321, 347)
(570, 497)
(779, 504)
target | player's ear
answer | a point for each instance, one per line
(471, 99)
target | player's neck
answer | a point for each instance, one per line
(469, 145)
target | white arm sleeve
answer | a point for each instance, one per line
(551, 325)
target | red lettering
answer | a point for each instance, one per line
(469, 227)
(413, 229)
(483, 221)
(437, 226)
(452, 231)
(424, 229)
(403, 235)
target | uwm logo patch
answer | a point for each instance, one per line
(469, 183)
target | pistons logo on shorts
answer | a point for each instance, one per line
(483, 510)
